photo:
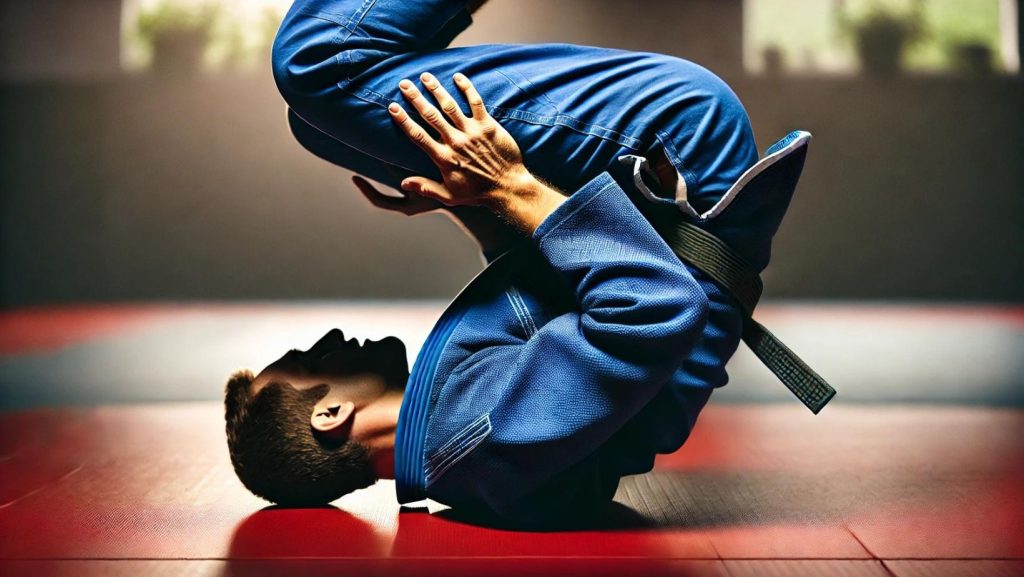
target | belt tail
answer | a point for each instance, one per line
(808, 386)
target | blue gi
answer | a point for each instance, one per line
(573, 359)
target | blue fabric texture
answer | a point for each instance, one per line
(574, 358)
(572, 109)
(562, 345)
(412, 420)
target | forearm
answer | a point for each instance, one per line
(525, 202)
(491, 233)
(509, 218)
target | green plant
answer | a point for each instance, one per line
(169, 17)
(882, 36)
(177, 36)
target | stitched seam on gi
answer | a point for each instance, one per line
(458, 447)
(342, 58)
(340, 54)
(532, 93)
(519, 315)
(358, 17)
(587, 128)
(324, 17)
(603, 190)
(349, 23)
(564, 120)
(522, 311)
(452, 444)
(688, 175)
(526, 311)
(570, 122)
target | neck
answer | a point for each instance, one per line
(374, 427)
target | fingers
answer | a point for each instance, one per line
(376, 197)
(476, 103)
(414, 131)
(444, 100)
(425, 108)
(410, 205)
(428, 188)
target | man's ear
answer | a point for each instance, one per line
(332, 419)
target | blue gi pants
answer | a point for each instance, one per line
(573, 109)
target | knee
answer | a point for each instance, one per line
(701, 83)
(304, 58)
(724, 117)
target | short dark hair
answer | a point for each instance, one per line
(275, 453)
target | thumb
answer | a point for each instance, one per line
(428, 188)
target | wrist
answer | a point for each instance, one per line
(524, 201)
(515, 188)
(490, 232)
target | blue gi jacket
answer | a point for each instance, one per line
(561, 367)
(577, 356)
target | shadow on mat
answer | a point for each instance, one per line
(696, 499)
(711, 499)
(657, 500)
(326, 540)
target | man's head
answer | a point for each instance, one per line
(293, 432)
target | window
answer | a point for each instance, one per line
(212, 34)
(914, 36)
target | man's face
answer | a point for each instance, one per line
(362, 371)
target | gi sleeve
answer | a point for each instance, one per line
(579, 378)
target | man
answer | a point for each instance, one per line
(582, 351)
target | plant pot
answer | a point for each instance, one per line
(179, 51)
(973, 58)
(880, 47)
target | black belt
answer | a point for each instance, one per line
(710, 254)
(706, 252)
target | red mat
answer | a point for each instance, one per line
(32, 330)
(758, 490)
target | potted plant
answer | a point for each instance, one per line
(177, 36)
(882, 37)
(973, 57)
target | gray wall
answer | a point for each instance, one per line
(72, 39)
(135, 187)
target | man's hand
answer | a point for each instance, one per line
(407, 204)
(490, 233)
(479, 161)
(477, 157)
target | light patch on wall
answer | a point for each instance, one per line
(881, 36)
(198, 34)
